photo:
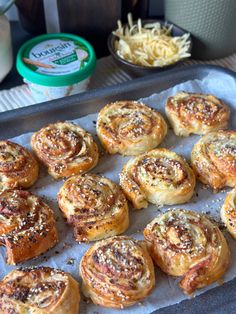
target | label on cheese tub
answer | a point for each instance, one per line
(57, 57)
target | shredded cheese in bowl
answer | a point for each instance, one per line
(150, 45)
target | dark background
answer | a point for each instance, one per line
(33, 21)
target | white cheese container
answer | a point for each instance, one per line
(56, 65)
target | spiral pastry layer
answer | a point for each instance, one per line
(18, 167)
(196, 113)
(130, 128)
(184, 243)
(95, 206)
(228, 212)
(159, 177)
(27, 226)
(65, 148)
(117, 272)
(39, 290)
(214, 159)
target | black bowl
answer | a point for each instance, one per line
(139, 70)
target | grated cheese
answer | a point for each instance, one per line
(151, 44)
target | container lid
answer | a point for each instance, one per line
(56, 60)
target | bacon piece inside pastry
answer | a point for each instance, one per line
(184, 243)
(196, 113)
(39, 290)
(130, 128)
(214, 159)
(159, 177)
(65, 148)
(18, 167)
(27, 226)
(117, 272)
(95, 206)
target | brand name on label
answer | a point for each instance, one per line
(52, 50)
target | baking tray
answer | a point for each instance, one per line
(15, 122)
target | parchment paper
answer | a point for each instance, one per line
(166, 291)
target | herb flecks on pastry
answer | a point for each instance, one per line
(130, 128)
(65, 148)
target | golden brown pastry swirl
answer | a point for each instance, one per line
(159, 176)
(95, 206)
(214, 159)
(39, 290)
(18, 167)
(65, 148)
(27, 225)
(130, 128)
(196, 113)
(228, 212)
(117, 272)
(184, 243)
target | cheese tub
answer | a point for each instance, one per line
(56, 65)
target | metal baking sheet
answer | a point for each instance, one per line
(12, 123)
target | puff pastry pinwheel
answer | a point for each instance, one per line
(184, 243)
(27, 226)
(39, 290)
(18, 167)
(65, 148)
(196, 113)
(130, 128)
(228, 212)
(95, 206)
(214, 159)
(117, 272)
(159, 177)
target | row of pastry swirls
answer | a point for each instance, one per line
(163, 177)
(96, 206)
(125, 127)
(66, 154)
(132, 128)
(118, 272)
(65, 148)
